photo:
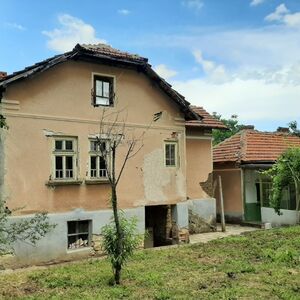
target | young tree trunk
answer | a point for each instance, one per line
(297, 188)
(114, 201)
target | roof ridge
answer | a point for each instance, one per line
(228, 139)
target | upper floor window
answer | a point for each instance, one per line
(98, 159)
(65, 155)
(171, 154)
(103, 91)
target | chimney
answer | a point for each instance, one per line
(2, 75)
(283, 129)
(247, 127)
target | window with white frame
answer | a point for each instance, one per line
(98, 159)
(79, 234)
(64, 158)
(171, 154)
(103, 91)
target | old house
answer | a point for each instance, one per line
(50, 161)
(239, 161)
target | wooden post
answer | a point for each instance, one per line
(222, 205)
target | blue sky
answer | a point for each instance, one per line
(230, 56)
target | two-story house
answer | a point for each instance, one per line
(50, 160)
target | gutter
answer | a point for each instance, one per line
(257, 166)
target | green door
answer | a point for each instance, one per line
(253, 210)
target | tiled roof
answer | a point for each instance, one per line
(207, 121)
(105, 54)
(249, 146)
(107, 50)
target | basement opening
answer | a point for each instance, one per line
(158, 224)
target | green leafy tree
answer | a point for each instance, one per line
(29, 230)
(293, 126)
(284, 172)
(130, 241)
(233, 127)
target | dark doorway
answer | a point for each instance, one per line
(158, 225)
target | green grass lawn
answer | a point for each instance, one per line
(258, 265)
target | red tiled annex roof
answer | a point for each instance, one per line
(249, 146)
(208, 121)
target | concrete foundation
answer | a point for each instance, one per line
(180, 215)
(288, 217)
(54, 245)
(204, 208)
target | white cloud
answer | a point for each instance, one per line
(163, 71)
(292, 20)
(72, 31)
(15, 26)
(216, 73)
(124, 12)
(283, 15)
(252, 100)
(278, 14)
(256, 2)
(193, 4)
(259, 70)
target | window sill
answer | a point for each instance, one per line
(96, 181)
(63, 182)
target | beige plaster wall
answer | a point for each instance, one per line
(59, 101)
(232, 190)
(199, 165)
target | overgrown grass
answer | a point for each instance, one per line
(258, 265)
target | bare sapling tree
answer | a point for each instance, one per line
(117, 141)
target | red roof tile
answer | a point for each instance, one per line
(254, 146)
(107, 50)
(208, 121)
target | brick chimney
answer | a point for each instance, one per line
(283, 129)
(2, 75)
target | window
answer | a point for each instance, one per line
(288, 200)
(64, 158)
(103, 91)
(266, 193)
(288, 196)
(98, 148)
(171, 154)
(79, 234)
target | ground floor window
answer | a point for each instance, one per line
(264, 192)
(79, 234)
